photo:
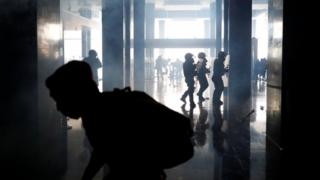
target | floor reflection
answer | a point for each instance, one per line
(201, 166)
(221, 152)
(201, 126)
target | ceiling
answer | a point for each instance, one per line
(75, 6)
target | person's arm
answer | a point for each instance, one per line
(99, 65)
(207, 70)
(95, 163)
(226, 69)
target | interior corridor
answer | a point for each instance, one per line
(215, 157)
(248, 137)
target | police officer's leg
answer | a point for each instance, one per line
(191, 91)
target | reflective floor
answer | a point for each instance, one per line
(215, 158)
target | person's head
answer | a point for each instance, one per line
(72, 86)
(202, 55)
(189, 57)
(93, 53)
(222, 55)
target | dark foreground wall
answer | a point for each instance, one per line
(30, 128)
(291, 142)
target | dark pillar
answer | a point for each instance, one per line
(139, 49)
(226, 26)
(32, 133)
(150, 8)
(289, 114)
(274, 143)
(86, 40)
(240, 14)
(218, 25)
(240, 50)
(127, 17)
(113, 44)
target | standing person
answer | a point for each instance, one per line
(218, 71)
(178, 69)
(189, 71)
(256, 70)
(159, 66)
(94, 63)
(263, 68)
(202, 75)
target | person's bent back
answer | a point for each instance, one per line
(117, 139)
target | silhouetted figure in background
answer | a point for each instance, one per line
(202, 75)
(117, 126)
(218, 71)
(256, 69)
(189, 71)
(159, 67)
(177, 69)
(263, 68)
(94, 63)
(172, 76)
(166, 63)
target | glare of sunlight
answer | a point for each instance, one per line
(188, 29)
(262, 35)
(277, 30)
(53, 31)
(72, 45)
(181, 28)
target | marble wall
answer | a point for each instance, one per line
(274, 90)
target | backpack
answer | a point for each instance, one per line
(171, 131)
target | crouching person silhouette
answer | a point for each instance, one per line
(133, 134)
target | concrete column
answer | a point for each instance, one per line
(206, 32)
(240, 51)
(113, 44)
(150, 17)
(139, 48)
(226, 26)
(127, 18)
(85, 40)
(218, 25)
(240, 16)
(213, 28)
